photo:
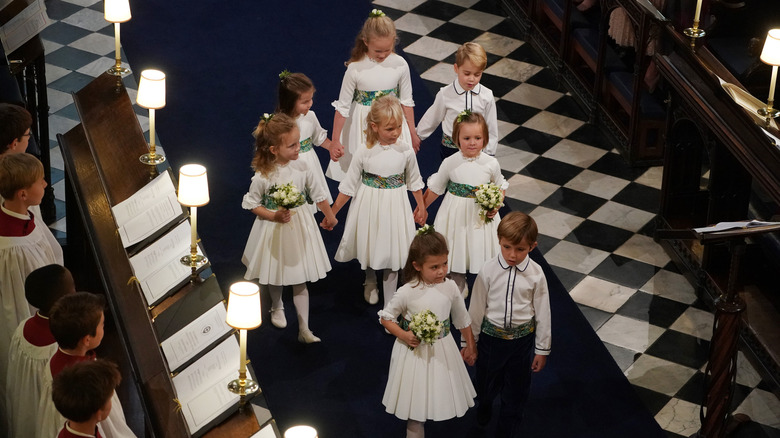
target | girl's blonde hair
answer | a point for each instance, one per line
(470, 118)
(384, 109)
(269, 132)
(374, 27)
(291, 86)
(425, 243)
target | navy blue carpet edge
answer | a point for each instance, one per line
(221, 60)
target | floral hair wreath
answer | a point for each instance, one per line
(267, 117)
(465, 114)
(425, 229)
(284, 74)
(375, 13)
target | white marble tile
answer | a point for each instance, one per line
(762, 407)
(462, 3)
(652, 177)
(575, 257)
(629, 333)
(622, 216)
(144, 122)
(512, 69)
(533, 96)
(505, 128)
(49, 47)
(432, 48)
(601, 294)
(512, 159)
(746, 373)
(659, 375)
(441, 73)
(572, 152)
(695, 322)
(60, 225)
(671, 285)
(59, 189)
(54, 72)
(529, 189)
(402, 5)
(55, 158)
(554, 124)
(417, 24)
(88, 19)
(57, 100)
(497, 44)
(680, 417)
(555, 223)
(84, 3)
(644, 249)
(477, 19)
(99, 66)
(95, 43)
(597, 184)
(59, 125)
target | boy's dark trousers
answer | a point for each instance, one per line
(504, 368)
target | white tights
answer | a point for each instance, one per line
(389, 282)
(300, 300)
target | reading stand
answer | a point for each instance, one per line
(103, 170)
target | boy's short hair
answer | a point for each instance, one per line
(472, 52)
(14, 123)
(45, 285)
(517, 226)
(74, 316)
(17, 172)
(82, 389)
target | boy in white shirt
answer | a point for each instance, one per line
(464, 93)
(510, 307)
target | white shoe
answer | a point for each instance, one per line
(465, 291)
(278, 319)
(307, 337)
(371, 293)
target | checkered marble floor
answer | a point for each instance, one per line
(595, 213)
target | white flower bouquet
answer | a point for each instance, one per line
(488, 197)
(426, 327)
(286, 196)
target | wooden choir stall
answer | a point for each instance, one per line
(166, 327)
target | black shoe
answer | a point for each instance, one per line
(484, 412)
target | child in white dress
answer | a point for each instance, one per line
(373, 69)
(471, 240)
(296, 96)
(380, 221)
(428, 381)
(285, 247)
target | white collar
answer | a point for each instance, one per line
(459, 90)
(15, 214)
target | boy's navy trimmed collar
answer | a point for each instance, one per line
(460, 91)
(504, 265)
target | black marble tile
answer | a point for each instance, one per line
(63, 33)
(99, 6)
(60, 10)
(433, 87)
(648, 229)
(590, 135)
(653, 401)
(640, 196)
(489, 6)
(600, 236)
(568, 278)
(554, 171)
(623, 357)
(405, 39)
(596, 318)
(527, 54)
(656, 310)
(530, 140)
(70, 58)
(625, 271)
(419, 64)
(573, 202)
(455, 33)
(546, 243)
(70, 112)
(500, 86)
(392, 13)
(545, 78)
(680, 348)
(59, 206)
(440, 10)
(755, 430)
(613, 164)
(57, 175)
(693, 390)
(108, 31)
(512, 112)
(518, 205)
(73, 81)
(567, 106)
(508, 29)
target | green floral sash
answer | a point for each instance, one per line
(306, 144)
(382, 182)
(462, 190)
(367, 97)
(444, 332)
(510, 333)
(447, 142)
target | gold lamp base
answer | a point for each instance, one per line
(199, 261)
(243, 387)
(694, 32)
(118, 70)
(152, 159)
(768, 112)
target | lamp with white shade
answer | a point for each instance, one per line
(771, 55)
(301, 432)
(117, 11)
(243, 313)
(193, 193)
(151, 95)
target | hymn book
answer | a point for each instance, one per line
(196, 336)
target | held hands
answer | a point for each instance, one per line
(409, 338)
(336, 150)
(491, 213)
(420, 214)
(539, 362)
(469, 355)
(328, 224)
(282, 216)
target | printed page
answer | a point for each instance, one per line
(147, 211)
(25, 25)
(723, 226)
(197, 335)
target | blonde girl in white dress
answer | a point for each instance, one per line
(471, 241)
(428, 381)
(285, 247)
(296, 96)
(380, 221)
(373, 69)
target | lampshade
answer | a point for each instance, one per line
(151, 89)
(301, 432)
(117, 11)
(243, 310)
(771, 53)
(193, 185)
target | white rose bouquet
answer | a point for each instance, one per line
(286, 196)
(426, 327)
(488, 197)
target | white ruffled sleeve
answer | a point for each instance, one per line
(257, 189)
(414, 180)
(351, 181)
(405, 85)
(320, 134)
(395, 307)
(348, 85)
(316, 191)
(433, 117)
(437, 182)
(460, 316)
(496, 177)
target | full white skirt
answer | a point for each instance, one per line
(471, 242)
